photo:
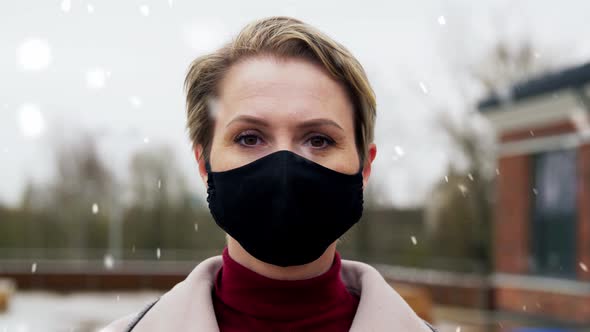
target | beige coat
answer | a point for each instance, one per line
(188, 305)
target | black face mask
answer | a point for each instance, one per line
(284, 209)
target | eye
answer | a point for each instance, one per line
(248, 139)
(320, 142)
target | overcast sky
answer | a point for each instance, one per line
(116, 68)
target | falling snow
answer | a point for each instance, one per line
(458, 329)
(34, 54)
(31, 120)
(159, 184)
(583, 267)
(66, 6)
(96, 78)
(535, 191)
(441, 20)
(109, 261)
(423, 88)
(213, 108)
(158, 253)
(135, 101)
(90, 8)
(446, 178)
(414, 241)
(94, 208)
(144, 10)
(399, 152)
(470, 176)
(170, 3)
(462, 188)
(196, 227)
(34, 268)
(146, 140)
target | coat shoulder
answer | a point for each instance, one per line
(127, 323)
(430, 326)
(120, 325)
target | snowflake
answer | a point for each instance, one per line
(109, 261)
(31, 121)
(135, 101)
(423, 88)
(66, 5)
(34, 54)
(144, 10)
(96, 78)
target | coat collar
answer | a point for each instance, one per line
(188, 306)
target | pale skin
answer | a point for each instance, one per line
(266, 105)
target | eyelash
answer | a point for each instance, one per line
(329, 141)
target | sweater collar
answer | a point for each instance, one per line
(255, 295)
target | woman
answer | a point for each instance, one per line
(281, 120)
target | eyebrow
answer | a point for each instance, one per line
(306, 124)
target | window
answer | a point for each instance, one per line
(554, 213)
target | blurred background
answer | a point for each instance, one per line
(478, 210)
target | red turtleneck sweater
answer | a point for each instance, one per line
(247, 301)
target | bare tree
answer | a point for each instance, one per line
(471, 189)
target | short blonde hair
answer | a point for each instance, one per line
(282, 37)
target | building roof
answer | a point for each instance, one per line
(569, 78)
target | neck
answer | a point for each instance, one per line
(299, 272)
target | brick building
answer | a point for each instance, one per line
(542, 213)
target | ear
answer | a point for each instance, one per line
(198, 151)
(372, 153)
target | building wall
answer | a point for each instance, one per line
(513, 225)
(512, 215)
(561, 127)
(584, 212)
(565, 307)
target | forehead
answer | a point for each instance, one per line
(284, 87)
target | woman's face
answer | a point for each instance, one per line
(266, 105)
